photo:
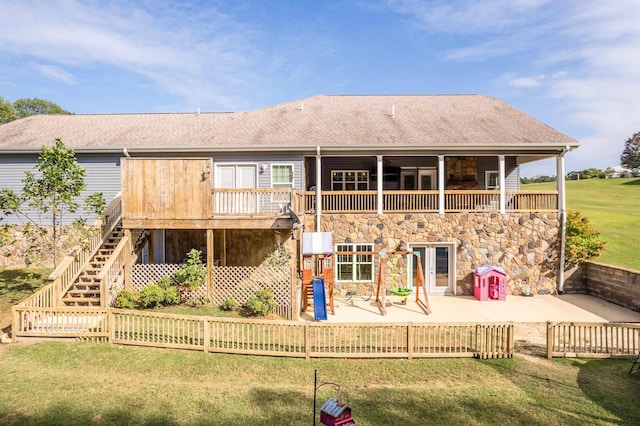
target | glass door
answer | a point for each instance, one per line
(236, 177)
(437, 266)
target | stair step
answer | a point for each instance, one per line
(83, 292)
(82, 299)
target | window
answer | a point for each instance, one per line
(281, 178)
(349, 180)
(354, 267)
(492, 179)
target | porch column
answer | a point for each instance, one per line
(441, 184)
(379, 180)
(503, 197)
(318, 188)
(562, 213)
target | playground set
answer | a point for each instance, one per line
(317, 275)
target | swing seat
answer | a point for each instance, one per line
(400, 291)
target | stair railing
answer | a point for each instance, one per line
(77, 260)
(112, 273)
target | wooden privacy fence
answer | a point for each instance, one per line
(274, 338)
(592, 340)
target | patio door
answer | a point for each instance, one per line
(237, 177)
(438, 266)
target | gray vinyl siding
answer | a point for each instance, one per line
(102, 175)
(511, 170)
(264, 177)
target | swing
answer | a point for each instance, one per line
(398, 291)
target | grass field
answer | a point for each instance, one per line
(613, 207)
(15, 286)
(83, 383)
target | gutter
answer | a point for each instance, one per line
(312, 150)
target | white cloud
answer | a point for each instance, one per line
(55, 73)
(584, 55)
(198, 56)
(525, 82)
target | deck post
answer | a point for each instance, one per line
(127, 259)
(14, 325)
(210, 261)
(549, 340)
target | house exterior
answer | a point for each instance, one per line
(434, 174)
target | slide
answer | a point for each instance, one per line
(319, 300)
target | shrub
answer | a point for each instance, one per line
(583, 242)
(262, 303)
(152, 296)
(229, 305)
(165, 282)
(127, 299)
(192, 274)
(171, 296)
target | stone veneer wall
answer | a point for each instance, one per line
(611, 283)
(526, 245)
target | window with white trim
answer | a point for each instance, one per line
(349, 180)
(354, 267)
(492, 179)
(281, 178)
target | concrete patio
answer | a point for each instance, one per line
(568, 307)
(528, 313)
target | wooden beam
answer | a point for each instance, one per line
(216, 223)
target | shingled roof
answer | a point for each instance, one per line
(331, 122)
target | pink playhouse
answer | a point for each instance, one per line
(490, 283)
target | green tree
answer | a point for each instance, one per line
(630, 157)
(49, 195)
(591, 173)
(34, 106)
(582, 242)
(7, 113)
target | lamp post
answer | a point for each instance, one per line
(317, 386)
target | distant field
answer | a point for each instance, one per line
(613, 207)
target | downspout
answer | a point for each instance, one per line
(126, 153)
(562, 210)
(318, 189)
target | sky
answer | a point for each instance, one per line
(572, 64)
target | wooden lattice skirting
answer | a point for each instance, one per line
(229, 282)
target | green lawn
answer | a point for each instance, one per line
(16, 285)
(613, 207)
(83, 383)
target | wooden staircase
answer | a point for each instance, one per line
(85, 291)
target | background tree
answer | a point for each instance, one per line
(583, 242)
(34, 106)
(49, 196)
(630, 157)
(27, 107)
(7, 112)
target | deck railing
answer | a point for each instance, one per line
(73, 264)
(255, 201)
(428, 201)
(111, 278)
(592, 340)
(264, 337)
